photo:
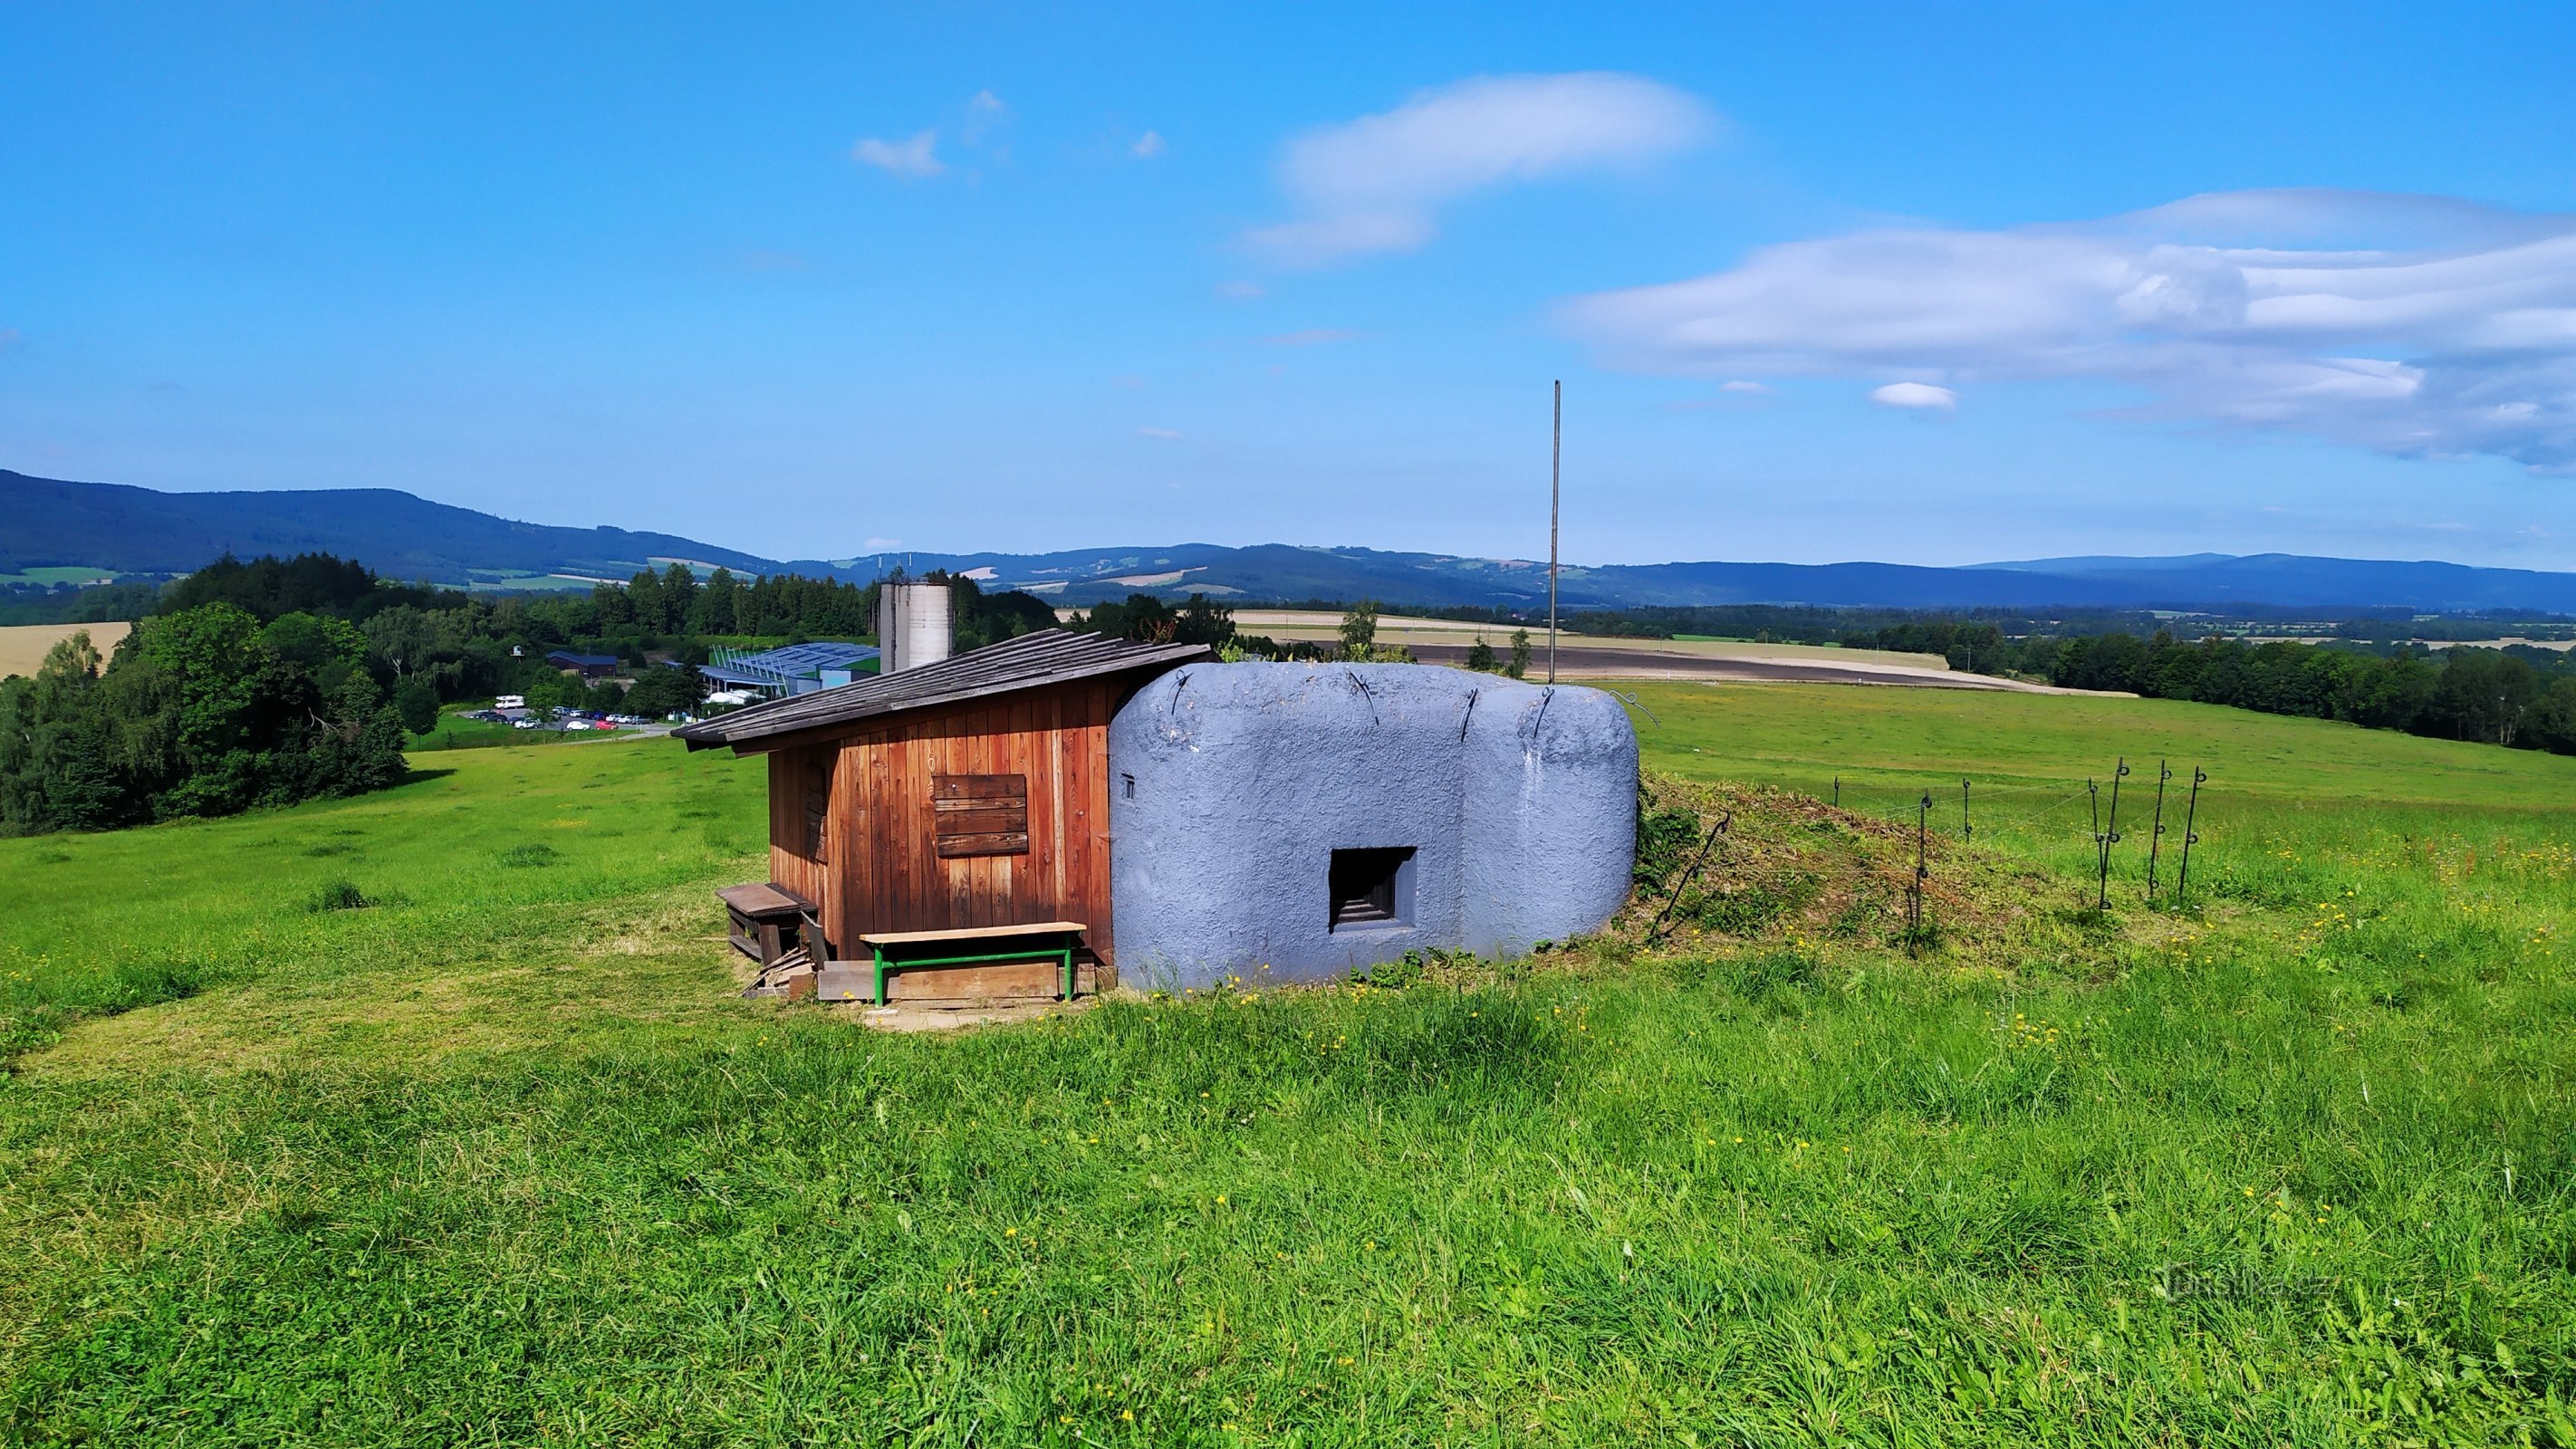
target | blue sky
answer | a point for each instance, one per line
(1823, 282)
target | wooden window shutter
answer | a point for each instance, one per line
(980, 814)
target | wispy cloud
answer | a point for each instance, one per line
(8, 338)
(913, 157)
(1375, 184)
(984, 111)
(1913, 395)
(1164, 434)
(2413, 325)
(1148, 145)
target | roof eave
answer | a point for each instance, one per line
(789, 734)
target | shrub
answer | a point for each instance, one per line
(338, 895)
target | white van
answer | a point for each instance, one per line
(511, 701)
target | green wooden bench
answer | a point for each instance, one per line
(895, 951)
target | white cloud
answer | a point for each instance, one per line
(1149, 145)
(917, 156)
(1913, 395)
(1373, 184)
(1165, 434)
(2417, 326)
(875, 545)
(1741, 385)
(8, 338)
(984, 111)
(1241, 291)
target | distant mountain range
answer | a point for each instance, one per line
(47, 522)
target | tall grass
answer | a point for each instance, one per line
(505, 1163)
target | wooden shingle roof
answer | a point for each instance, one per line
(1050, 656)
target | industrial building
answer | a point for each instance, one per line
(790, 669)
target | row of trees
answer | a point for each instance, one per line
(205, 711)
(275, 680)
(2464, 693)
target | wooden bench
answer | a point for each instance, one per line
(893, 951)
(761, 916)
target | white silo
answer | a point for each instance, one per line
(913, 625)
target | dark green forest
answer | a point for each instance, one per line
(2519, 695)
(265, 682)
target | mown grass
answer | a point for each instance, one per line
(504, 1162)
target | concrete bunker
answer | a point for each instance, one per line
(1312, 819)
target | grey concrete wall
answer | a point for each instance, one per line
(1232, 784)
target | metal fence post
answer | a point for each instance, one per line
(2190, 837)
(2156, 841)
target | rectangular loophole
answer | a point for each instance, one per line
(980, 815)
(1372, 886)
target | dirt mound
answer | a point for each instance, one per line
(1755, 863)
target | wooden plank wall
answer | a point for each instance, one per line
(885, 873)
(794, 774)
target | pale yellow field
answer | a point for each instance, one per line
(23, 646)
(1406, 629)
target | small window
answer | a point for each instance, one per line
(1372, 886)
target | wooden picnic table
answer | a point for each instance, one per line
(893, 951)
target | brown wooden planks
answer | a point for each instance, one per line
(964, 791)
(971, 847)
(900, 784)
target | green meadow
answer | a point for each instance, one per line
(431, 1118)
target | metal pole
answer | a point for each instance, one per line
(2111, 835)
(1555, 476)
(2190, 837)
(2101, 852)
(1838, 792)
(1922, 837)
(1966, 830)
(2156, 842)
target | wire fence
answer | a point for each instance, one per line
(2056, 812)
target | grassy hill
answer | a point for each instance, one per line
(498, 1157)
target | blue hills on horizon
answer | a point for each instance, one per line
(52, 522)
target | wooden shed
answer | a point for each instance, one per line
(968, 793)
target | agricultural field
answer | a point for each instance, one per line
(430, 1117)
(55, 576)
(23, 647)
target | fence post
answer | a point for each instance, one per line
(2093, 790)
(1673, 897)
(1966, 829)
(1914, 894)
(2156, 842)
(2111, 832)
(2190, 837)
